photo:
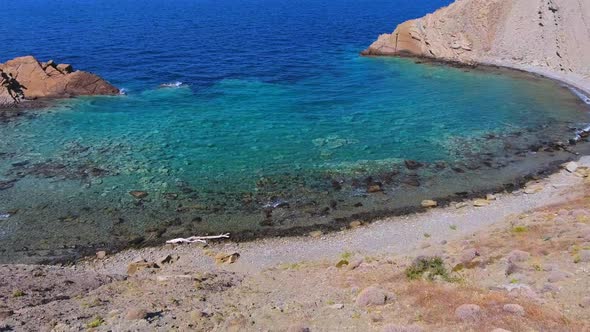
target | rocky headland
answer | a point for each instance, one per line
(25, 79)
(549, 37)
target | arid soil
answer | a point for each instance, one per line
(524, 271)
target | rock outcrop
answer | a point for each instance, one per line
(543, 36)
(25, 78)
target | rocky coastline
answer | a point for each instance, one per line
(472, 32)
(26, 82)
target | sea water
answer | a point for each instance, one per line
(257, 118)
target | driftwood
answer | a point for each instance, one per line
(201, 239)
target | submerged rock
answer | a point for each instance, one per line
(138, 194)
(412, 164)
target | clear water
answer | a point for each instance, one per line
(280, 126)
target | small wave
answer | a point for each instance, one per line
(176, 84)
(123, 91)
(580, 95)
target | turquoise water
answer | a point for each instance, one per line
(282, 133)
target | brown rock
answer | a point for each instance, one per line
(138, 194)
(374, 188)
(65, 68)
(468, 312)
(136, 314)
(224, 258)
(27, 78)
(140, 265)
(373, 296)
(515, 309)
(428, 203)
(101, 254)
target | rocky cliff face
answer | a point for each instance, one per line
(535, 35)
(26, 78)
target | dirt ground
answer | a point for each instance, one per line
(527, 272)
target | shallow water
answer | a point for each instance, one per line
(279, 126)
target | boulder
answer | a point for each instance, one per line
(518, 256)
(136, 314)
(26, 78)
(372, 296)
(468, 312)
(515, 309)
(428, 203)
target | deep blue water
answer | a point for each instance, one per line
(140, 44)
(280, 126)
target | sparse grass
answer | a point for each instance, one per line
(429, 267)
(346, 255)
(453, 227)
(519, 229)
(96, 322)
(341, 263)
(18, 293)
(426, 235)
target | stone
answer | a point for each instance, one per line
(138, 194)
(549, 288)
(374, 188)
(372, 296)
(515, 309)
(500, 330)
(518, 256)
(585, 303)
(226, 258)
(468, 312)
(140, 265)
(533, 189)
(101, 254)
(136, 314)
(412, 164)
(571, 167)
(355, 224)
(316, 234)
(65, 68)
(428, 203)
(167, 259)
(25, 78)
(355, 262)
(402, 328)
(337, 306)
(461, 205)
(491, 197)
(481, 202)
(584, 256)
(468, 255)
(556, 276)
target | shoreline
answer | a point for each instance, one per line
(396, 234)
(366, 218)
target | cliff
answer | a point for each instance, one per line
(25, 78)
(549, 37)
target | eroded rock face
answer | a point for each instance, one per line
(26, 78)
(551, 35)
